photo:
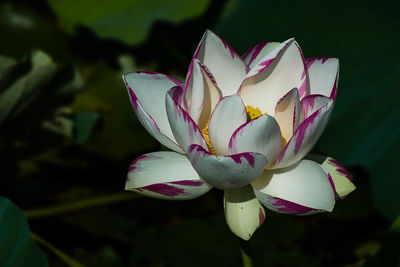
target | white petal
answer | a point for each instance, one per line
(165, 175)
(185, 130)
(255, 54)
(202, 94)
(224, 63)
(305, 137)
(226, 172)
(261, 135)
(323, 75)
(287, 113)
(279, 72)
(303, 188)
(243, 212)
(311, 104)
(340, 177)
(147, 92)
(228, 115)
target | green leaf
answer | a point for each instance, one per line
(16, 245)
(126, 20)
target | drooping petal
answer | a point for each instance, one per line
(243, 212)
(226, 172)
(261, 135)
(223, 62)
(185, 130)
(311, 104)
(278, 72)
(287, 113)
(147, 92)
(304, 138)
(202, 94)
(165, 175)
(323, 75)
(254, 55)
(301, 189)
(340, 177)
(228, 115)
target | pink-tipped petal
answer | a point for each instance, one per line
(254, 55)
(185, 130)
(228, 115)
(301, 189)
(202, 94)
(311, 104)
(323, 75)
(340, 177)
(156, 175)
(224, 63)
(226, 172)
(276, 74)
(261, 135)
(304, 138)
(287, 113)
(147, 92)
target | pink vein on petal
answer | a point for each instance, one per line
(256, 51)
(340, 169)
(188, 183)
(289, 207)
(261, 217)
(163, 189)
(238, 158)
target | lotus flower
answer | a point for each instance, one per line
(245, 125)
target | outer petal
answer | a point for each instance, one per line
(287, 113)
(301, 189)
(261, 135)
(276, 74)
(185, 130)
(323, 75)
(254, 55)
(311, 104)
(340, 177)
(228, 115)
(147, 92)
(243, 212)
(165, 175)
(202, 94)
(226, 172)
(304, 138)
(224, 63)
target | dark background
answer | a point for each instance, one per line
(69, 136)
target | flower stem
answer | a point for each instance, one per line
(246, 253)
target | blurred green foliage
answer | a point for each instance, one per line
(124, 20)
(68, 133)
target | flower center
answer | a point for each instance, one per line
(252, 113)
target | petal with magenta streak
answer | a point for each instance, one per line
(226, 172)
(165, 175)
(301, 189)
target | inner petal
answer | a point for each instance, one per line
(255, 112)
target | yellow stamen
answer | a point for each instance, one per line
(253, 113)
(207, 138)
